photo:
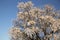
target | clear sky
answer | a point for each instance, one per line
(8, 11)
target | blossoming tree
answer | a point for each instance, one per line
(33, 23)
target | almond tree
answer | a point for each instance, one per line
(33, 23)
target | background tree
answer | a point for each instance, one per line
(33, 23)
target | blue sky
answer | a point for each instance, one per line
(8, 11)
